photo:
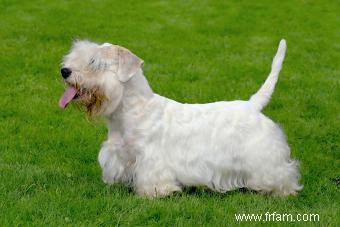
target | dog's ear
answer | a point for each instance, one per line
(128, 64)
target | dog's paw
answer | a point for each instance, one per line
(158, 191)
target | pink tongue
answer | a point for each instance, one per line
(67, 97)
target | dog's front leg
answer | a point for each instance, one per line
(112, 163)
(154, 179)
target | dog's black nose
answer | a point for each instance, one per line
(65, 72)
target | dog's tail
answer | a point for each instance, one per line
(261, 98)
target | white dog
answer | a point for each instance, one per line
(158, 145)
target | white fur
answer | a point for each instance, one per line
(158, 145)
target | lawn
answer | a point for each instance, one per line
(195, 52)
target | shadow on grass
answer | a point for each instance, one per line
(200, 191)
(204, 191)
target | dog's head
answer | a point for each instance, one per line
(95, 75)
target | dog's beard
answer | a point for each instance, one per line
(92, 102)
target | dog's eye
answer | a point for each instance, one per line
(92, 61)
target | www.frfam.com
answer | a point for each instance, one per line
(276, 217)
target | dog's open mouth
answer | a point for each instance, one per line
(70, 94)
(90, 100)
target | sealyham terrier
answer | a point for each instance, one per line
(158, 145)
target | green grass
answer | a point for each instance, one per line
(194, 51)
